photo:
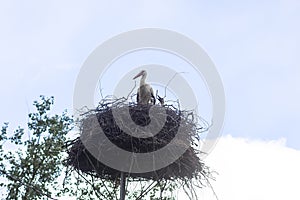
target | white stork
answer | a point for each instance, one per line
(145, 92)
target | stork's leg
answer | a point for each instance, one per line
(138, 98)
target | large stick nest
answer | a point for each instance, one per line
(187, 166)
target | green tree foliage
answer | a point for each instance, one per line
(31, 163)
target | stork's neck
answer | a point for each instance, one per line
(143, 80)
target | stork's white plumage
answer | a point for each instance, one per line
(145, 93)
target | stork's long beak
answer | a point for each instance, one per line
(138, 75)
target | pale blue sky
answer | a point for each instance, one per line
(254, 44)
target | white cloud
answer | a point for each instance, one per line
(254, 170)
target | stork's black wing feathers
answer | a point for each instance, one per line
(137, 97)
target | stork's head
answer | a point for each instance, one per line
(143, 73)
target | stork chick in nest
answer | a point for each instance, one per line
(145, 93)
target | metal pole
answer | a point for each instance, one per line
(122, 186)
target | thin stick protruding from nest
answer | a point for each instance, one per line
(171, 80)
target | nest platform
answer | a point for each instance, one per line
(187, 166)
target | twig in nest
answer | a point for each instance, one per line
(131, 90)
(171, 80)
(100, 89)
